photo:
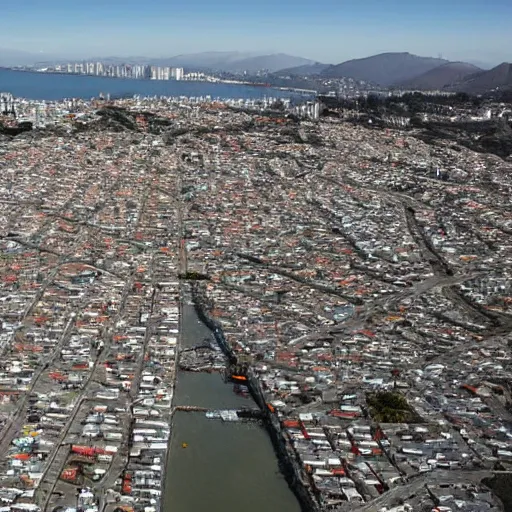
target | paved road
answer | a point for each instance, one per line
(417, 486)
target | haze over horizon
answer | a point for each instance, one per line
(338, 31)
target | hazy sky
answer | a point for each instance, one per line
(328, 30)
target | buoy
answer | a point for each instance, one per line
(184, 445)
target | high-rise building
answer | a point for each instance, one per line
(140, 72)
(176, 73)
(137, 71)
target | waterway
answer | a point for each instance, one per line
(226, 466)
(46, 86)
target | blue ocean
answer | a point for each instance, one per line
(42, 86)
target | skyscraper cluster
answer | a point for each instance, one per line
(165, 73)
(120, 70)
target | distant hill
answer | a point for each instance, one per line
(113, 61)
(384, 69)
(272, 63)
(485, 81)
(441, 77)
(203, 60)
(233, 62)
(305, 70)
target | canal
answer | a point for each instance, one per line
(226, 466)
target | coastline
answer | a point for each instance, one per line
(306, 92)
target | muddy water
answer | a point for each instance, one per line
(226, 466)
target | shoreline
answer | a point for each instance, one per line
(306, 92)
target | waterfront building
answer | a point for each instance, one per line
(177, 73)
(136, 71)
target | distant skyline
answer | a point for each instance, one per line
(332, 31)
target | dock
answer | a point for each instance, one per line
(222, 414)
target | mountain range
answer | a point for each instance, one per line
(384, 69)
(443, 76)
(408, 71)
(391, 69)
(306, 70)
(233, 62)
(498, 78)
(272, 63)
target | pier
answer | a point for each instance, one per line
(223, 414)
